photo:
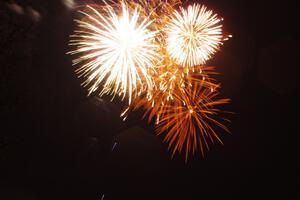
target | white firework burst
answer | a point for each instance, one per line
(193, 35)
(115, 50)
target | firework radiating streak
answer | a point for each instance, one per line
(116, 51)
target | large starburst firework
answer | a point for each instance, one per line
(193, 35)
(116, 50)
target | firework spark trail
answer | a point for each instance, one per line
(193, 35)
(116, 51)
(114, 146)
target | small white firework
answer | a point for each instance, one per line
(193, 35)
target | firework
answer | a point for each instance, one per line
(156, 56)
(188, 119)
(193, 35)
(116, 52)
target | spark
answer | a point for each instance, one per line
(116, 52)
(114, 146)
(34, 14)
(70, 4)
(193, 35)
(16, 8)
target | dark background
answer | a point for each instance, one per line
(56, 143)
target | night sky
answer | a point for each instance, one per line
(57, 143)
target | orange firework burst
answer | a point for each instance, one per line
(184, 109)
(188, 120)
